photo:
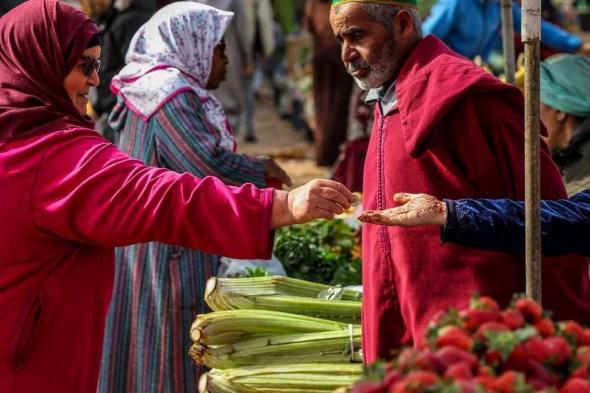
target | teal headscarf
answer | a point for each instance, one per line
(565, 84)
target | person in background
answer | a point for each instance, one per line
(473, 27)
(118, 21)
(260, 44)
(168, 117)
(275, 68)
(231, 93)
(69, 197)
(494, 224)
(565, 111)
(442, 126)
(332, 86)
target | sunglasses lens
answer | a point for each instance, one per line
(89, 67)
(91, 64)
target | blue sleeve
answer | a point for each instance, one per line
(499, 225)
(551, 35)
(186, 142)
(441, 19)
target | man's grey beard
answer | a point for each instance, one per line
(381, 71)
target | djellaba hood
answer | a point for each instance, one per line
(432, 81)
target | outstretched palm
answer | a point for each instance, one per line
(415, 209)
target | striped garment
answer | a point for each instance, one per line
(159, 288)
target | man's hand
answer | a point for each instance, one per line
(416, 209)
(316, 199)
(274, 171)
(584, 49)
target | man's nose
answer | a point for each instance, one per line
(349, 54)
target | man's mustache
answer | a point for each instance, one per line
(357, 65)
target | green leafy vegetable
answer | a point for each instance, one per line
(319, 251)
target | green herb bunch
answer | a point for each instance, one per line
(319, 251)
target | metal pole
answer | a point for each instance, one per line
(508, 40)
(531, 37)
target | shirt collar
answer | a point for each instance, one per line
(385, 97)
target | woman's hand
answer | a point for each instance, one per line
(416, 209)
(316, 199)
(274, 171)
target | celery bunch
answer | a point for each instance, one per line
(228, 327)
(305, 378)
(281, 294)
(325, 347)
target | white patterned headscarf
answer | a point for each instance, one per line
(173, 53)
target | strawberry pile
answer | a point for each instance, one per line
(484, 349)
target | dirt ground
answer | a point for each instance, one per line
(279, 139)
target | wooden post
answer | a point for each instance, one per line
(531, 37)
(508, 40)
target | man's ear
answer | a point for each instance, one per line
(404, 24)
(560, 116)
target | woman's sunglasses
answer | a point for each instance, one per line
(90, 64)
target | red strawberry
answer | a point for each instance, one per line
(461, 370)
(513, 318)
(530, 309)
(392, 377)
(422, 343)
(584, 339)
(517, 359)
(369, 387)
(536, 350)
(415, 382)
(508, 381)
(425, 378)
(535, 370)
(575, 385)
(451, 355)
(583, 354)
(413, 359)
(454, 336)
(559, 350)
(408, 359)
(490, 327)
(484, 370)
(572, 329)
(483, 303)
(400, 387)
(467, 386)
(537, 384)
(582, 372)
(487, 381)
(493, 358)
(545, 327)
(473, 318)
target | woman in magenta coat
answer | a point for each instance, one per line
(68, 198)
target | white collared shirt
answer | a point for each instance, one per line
(386, 98)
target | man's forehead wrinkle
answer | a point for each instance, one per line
(344, 23)
(343, 30)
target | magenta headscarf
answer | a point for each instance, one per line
(40, 42)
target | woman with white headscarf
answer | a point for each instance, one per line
(167, 117)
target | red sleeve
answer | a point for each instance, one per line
(88, 191)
